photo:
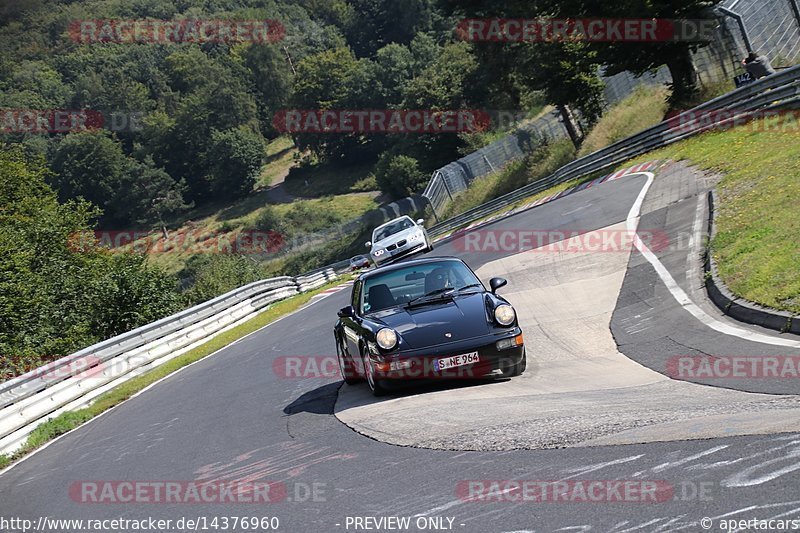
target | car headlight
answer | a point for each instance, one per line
(504, 314)
(415, 237)
(376, 253)
(386, 338)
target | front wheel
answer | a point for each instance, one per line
(349, 374)
(375, 385)
(517, 369)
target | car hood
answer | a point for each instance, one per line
(463, 317)
(399, 236)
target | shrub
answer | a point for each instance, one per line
(398, 175)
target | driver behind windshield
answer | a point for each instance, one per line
(392, 229)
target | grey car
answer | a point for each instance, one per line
(398, 238)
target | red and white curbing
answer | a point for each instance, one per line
(332, 290)
(642, 167)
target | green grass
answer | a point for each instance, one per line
(279, 159)
(756, 248)
(643, 108)
(70, 420)
(326, 179)
(228, 222)
(539, 164)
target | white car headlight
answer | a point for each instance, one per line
(376, 253)
(416, 236)
(386, 338)
(504, 314)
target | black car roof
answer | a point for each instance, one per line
(403, 264)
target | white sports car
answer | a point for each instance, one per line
(398, 238)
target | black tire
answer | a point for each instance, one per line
(375, 385)
(517, 369)
(348, 371)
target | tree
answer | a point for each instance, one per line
(566, 72)
(272, 77)
(376, 23)
(449, 82)
(327, 80)
(93, 166)
(648, 56)
(398, 175)
(58, 291)
(233, 161)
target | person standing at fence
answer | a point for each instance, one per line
(757, 66)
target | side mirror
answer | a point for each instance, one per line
(368, 244)
(496, 283)
(421, 221)
(346, 312)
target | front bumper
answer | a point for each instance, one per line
(419, 364)
(399, 253)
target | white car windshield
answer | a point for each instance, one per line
(390, 229)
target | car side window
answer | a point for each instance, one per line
(356, 297)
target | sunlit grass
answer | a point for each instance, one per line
(757, 248)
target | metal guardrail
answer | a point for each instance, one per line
(778, 91)
(73, 381)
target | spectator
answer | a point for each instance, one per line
(757, 66)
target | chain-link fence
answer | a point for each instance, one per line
(772, 25)
(455, 177)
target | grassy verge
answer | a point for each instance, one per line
(540, 163)
(279, 159)
(756, 246)
(225, 224)
(70, 420)
(324, 179)
(643, 108)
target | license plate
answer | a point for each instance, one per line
(456, 360)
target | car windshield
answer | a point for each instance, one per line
(392, 228)
(400, 286)
(357, 259)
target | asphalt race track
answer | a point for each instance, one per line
(595, 405)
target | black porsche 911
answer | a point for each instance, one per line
(427, 319)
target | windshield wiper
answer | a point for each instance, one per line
(470, 286)
(427, 296)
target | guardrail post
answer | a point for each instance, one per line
(742, 28)
(796, 11)
(446, 188)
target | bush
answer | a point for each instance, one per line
(209, 275)
(301, 218)
(59, 293)
(399, 175)
(269, 219)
